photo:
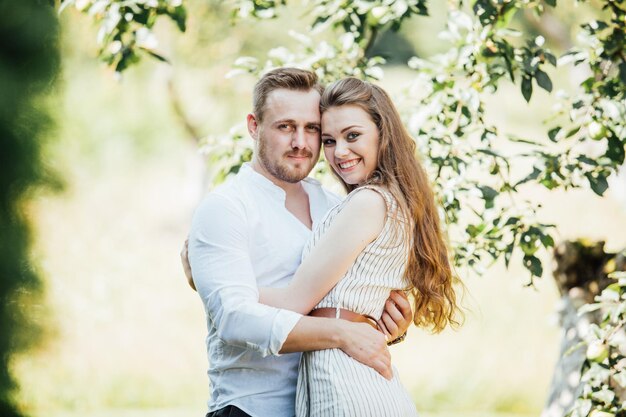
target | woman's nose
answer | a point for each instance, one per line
(341, 149)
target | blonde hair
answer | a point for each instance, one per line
(428, 267)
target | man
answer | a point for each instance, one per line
(249, 233)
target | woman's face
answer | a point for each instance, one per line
(350, 139)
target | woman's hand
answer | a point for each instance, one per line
(397, 316)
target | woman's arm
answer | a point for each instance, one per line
(355, 226)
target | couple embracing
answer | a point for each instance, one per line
(284, 266)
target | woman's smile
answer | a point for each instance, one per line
(350, 139)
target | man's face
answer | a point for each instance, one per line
(289, 136)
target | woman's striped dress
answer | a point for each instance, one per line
(331, 383)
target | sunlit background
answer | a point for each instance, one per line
(124, 334)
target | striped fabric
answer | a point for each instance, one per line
(331, 383)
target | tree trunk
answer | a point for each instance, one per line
(580, 272)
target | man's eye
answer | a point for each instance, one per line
(284, 126)
(313, 128)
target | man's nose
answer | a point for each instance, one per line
(298, 139)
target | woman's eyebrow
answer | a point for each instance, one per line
(349, 127)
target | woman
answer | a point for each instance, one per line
(385, 235)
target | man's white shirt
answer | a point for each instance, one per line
(242, 237)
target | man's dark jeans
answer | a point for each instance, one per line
(228, 411)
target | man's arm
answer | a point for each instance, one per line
(225, 281)
(395, 321)
(358, 340)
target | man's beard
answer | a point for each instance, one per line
(282, 171)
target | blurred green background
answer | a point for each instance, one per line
(124, 334)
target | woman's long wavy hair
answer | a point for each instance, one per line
(428, 268)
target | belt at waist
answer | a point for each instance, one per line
(344, 314)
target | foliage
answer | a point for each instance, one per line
(125, 30)
(444, 106)
(28, 30)
(604, 376)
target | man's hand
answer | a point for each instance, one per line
(368, 346)
(397, 316)
(186, 266)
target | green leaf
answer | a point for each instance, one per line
(533, 264)
(551, 3)
(547, 241)
(587, 160)
(530, 177)
(180, 17)
(597, 183)
(157, 56)
(572, 132)
(526, 141)
(512, 220)
(489, 194)
(489, 152)
(615, 150)
(508, 253)
(551, 59)
(552, 133)
(527, 88)
(622, 72)
(543, 80)
(474, 230)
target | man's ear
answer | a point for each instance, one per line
(253, 126)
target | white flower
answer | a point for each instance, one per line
(375, 72)
(379, 11)
(266, 13)
(246, 61)
(281, 53)
(115, 47)
(303, 39)
(399, 7)
(146, 39)
(82, 4)
(540, 40)
(347, 40)
(245, 9)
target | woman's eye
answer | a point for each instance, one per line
(352, 135)
(328, 142)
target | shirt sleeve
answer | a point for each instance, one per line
(224, 278)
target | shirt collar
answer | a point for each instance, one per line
(247, 171)
(266, 184)
(318, 204)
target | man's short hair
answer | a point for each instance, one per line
(287, 78)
